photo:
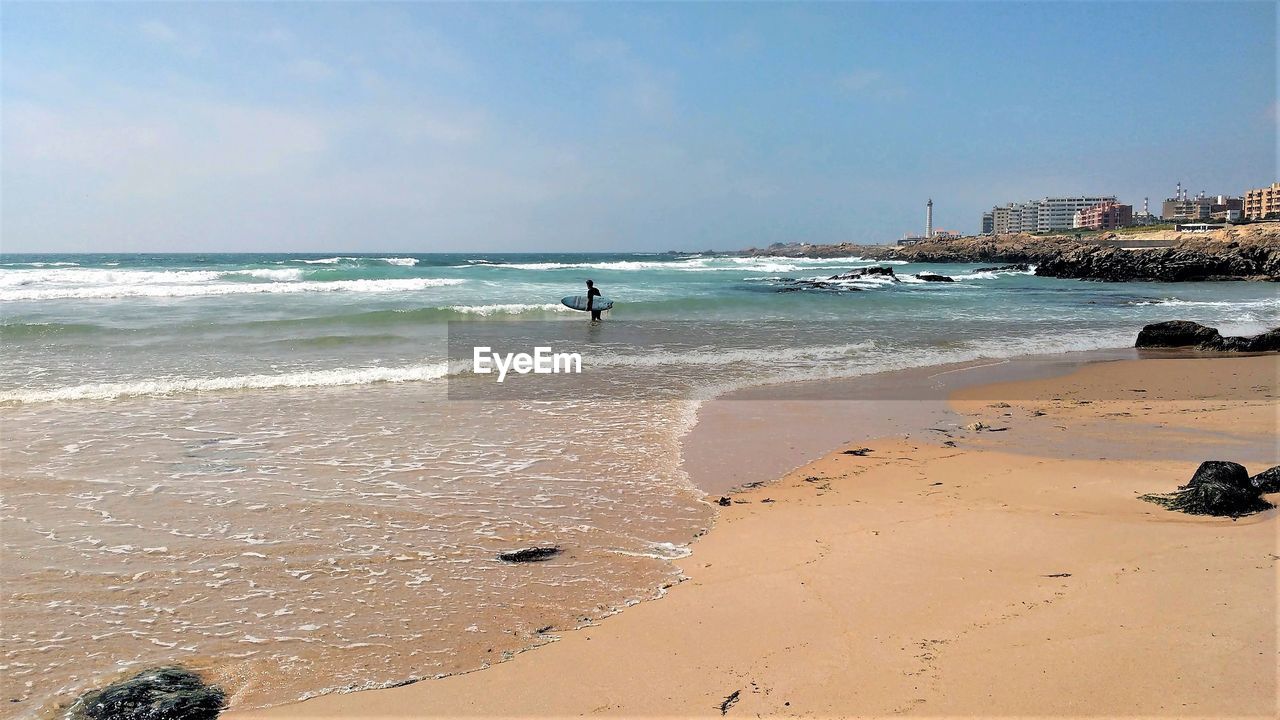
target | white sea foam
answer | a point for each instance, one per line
(872, 280)
(276, 274)
(225, 288)
(98, 276)
(181, 385)
(1273, 303)
(764, 356)
(41, 264)
(508, 309)
(402, 261)
(993, 274)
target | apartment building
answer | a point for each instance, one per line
(1104, 216)
(1044, 215)
(1260, 203)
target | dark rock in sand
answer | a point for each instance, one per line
(530, 554)
(934, 277)
(1218, 488)
(1184, 333)
(1221, 471)
(1267, 481)
(1176, 333)
(166, 693)
(1268, 341)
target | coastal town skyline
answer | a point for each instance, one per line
(578, 128)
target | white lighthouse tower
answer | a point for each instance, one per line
(928, 219)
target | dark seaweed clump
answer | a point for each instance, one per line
(165, 693)
(1218, 488)
(530, 554)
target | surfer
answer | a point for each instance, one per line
(592, 293)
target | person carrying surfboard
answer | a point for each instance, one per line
(592, 293)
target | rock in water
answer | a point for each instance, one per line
(866, 272)
(934, 277)
(166, 693)
(1267, 481)
(530, 554)
(1176, 333)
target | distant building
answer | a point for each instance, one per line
(1104, 216)
(1145, 217)
(988, 223)
(1182, 207)
(1175, 209)
(1000, 220)
(1043, 215)
(929, 232)
(1262, 203)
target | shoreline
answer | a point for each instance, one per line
(759, 433)
(473, 692)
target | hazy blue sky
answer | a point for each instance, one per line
(430, 127)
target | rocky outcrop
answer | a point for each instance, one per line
(866, 272)
(835, 283)
(1184, 333)
(1188, 261)
(1016, 267)
(1250, 252)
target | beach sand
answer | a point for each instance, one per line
(1011, 571)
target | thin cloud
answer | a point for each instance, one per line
(859, 80)
(310, 70)
(158, 31)
(868, 82)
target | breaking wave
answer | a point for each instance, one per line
(182, 385)
(198, 284)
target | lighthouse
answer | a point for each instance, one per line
(928, 219)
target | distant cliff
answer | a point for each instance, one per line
(1250, 252)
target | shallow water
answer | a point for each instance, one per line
(250, 464)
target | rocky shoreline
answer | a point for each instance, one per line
(1239, 253)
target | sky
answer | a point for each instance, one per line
(414, 127)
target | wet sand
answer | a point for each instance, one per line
(947, 572)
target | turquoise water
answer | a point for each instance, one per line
(87, 326)
(250, 464)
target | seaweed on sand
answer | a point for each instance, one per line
(164, 693)
(1218, 488)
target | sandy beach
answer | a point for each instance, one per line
(945, 571)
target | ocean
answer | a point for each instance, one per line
(256, 465)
